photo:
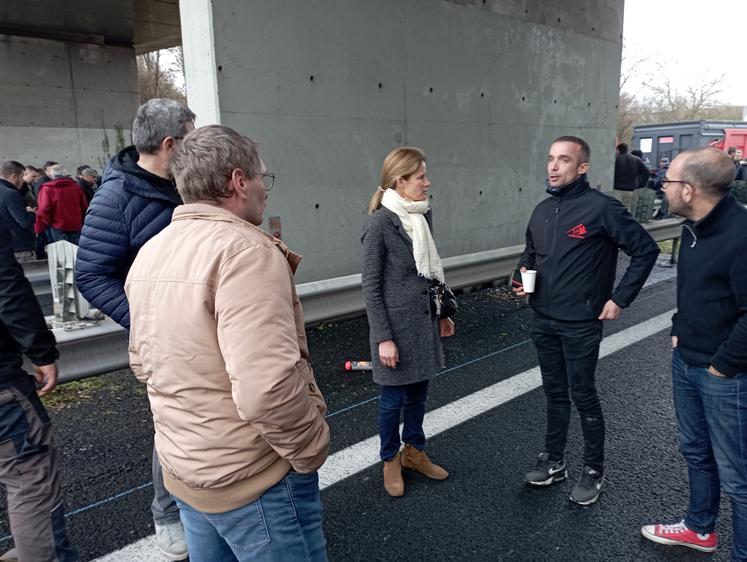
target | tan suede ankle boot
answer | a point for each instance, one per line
(419, 461)
(393, 483)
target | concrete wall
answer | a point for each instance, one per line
(330, 87)
(59, 101)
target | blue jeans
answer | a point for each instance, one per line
(568, 353)
(712, 421)
(56, 235)
(283, 525)
(163, 507)
(408, 401)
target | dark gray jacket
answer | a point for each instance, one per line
(13, 213)
(398, 303)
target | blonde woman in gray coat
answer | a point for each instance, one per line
(400, 265)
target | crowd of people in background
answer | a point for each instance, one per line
(44, 205)
(634, 171)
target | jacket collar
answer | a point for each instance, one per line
(712, 220)
(397, 224)
(7, 184)
(139, 181)
(60, 182)
(577, 187)
(204, 211)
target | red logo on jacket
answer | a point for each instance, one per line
(578, 231)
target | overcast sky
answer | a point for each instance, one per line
(694, 40)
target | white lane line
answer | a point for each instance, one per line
(364, 454)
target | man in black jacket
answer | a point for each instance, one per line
(709, 340)
(630, 174)
(572, 242)
(28, 465)
(14, 212)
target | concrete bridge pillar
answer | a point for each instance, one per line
(329, 87)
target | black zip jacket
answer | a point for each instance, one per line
(572, 241)
(22, 325)
(13, 213)
(711, 319)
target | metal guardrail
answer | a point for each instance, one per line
(103, 348)
(37, 272)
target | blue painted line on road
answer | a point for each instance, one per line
(95, 504)
(342, 411)
(445, 371)
(109, 499)
(338, 412)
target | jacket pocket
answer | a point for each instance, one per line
(304, 369)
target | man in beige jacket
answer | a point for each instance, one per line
(217, 334)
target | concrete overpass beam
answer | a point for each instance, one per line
(64, 101)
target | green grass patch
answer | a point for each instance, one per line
(665, 246)
(71, 392)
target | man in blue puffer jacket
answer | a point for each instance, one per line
(133, 204)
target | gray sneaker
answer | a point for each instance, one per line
(170, 541)
(589, 485)
(10, 556)
(546, 471)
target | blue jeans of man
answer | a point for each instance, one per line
(283, 525)
(163, 507)
(56, 235)
(408, 402)
(568, 353)
(712, 421)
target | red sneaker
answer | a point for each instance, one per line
(678, 534)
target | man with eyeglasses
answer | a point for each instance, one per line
(709, 341)
(134, 203)
(218, 336)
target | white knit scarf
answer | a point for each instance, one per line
(412, 216)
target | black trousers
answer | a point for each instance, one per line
(568, 354)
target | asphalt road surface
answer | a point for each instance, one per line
(483, 511)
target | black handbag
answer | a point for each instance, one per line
(443, 302)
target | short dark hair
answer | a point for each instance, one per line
(708, 169)
(637, 152)
(583, 145)
(49, 163)
(622, 148)
(10, 167)
(80, 168)
(732, 150)
(31, 168)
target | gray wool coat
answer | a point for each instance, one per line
(397, 302)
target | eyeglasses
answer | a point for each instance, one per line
(665, 180)
(268, 178)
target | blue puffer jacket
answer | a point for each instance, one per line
(131, 206)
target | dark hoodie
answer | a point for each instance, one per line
(131, 206)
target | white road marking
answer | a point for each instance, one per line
(364, 454)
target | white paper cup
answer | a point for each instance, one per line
(527, 279)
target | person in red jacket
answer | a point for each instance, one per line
(62, 208)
